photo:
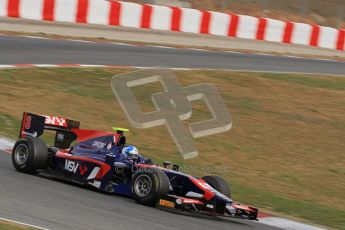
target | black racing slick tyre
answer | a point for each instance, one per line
(148, 186)
(219, 184)
(29, 155)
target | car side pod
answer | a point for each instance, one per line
(106, 172)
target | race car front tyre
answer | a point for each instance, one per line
(219, 184)
(148, 186)
(29, 155)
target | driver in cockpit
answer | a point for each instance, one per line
(130, 155)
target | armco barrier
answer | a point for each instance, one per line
(156, 17)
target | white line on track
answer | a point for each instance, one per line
(233, 52)
(263, 54)
(164, 47)
(35, 37)
(121, 44)
(25, 224)
(76, 40)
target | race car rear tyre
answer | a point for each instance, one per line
(148, 186)
(219, 184)
(29, 155)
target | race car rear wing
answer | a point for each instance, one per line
(34, 125)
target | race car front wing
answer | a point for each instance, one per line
(234, 210)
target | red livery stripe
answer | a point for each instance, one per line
(263, 215)
(84, 134)
(205, 22)
(208, 195)
(22, 135)
(104, 167)
(103, 170)
(64, 154)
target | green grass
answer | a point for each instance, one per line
(285, 152)
(309, 81)
(9, 125)
(308, 210)
(9, 226)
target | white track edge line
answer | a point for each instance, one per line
(21, 223)
(288, 224)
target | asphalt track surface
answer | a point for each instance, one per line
(58, 205)
(24, 50)
(55, 204)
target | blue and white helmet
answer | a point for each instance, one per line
(131, 152)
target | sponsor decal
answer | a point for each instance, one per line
(82, 170)
(95, 183)
(29, 134)
(94, 173)
(205, 185)
(179, 201)
(194, 194)
(72, 166)
(231, 209)
(60, 137)
(98, 144)
(28, 122)
(191, 201)
(58, 121)
(166, 203)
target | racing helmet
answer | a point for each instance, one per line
(131, 152)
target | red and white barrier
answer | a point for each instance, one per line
(128, 14)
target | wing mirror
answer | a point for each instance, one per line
(166, 164)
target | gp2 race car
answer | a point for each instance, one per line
(97, 160)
